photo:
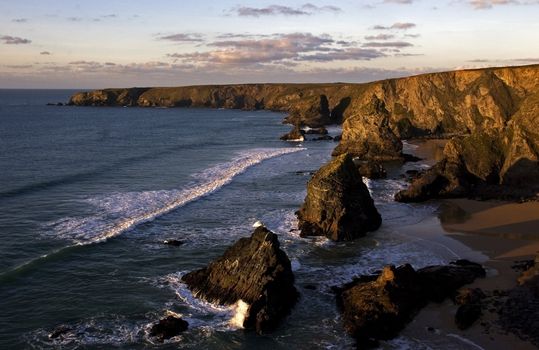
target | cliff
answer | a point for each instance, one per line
(493, 113)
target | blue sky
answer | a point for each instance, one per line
(81, 44)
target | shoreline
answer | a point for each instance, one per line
(494, 233)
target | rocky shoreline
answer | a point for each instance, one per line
(494, 114)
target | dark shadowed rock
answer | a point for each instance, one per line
(254, 270)
(296, 134)
(466, 315)
(371, 169)
(379, 308)
(338, 204)
(168, 327)
(520, 312)
(316, 131)
(173, 242)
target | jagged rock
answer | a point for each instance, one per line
(444, 180)
(367, 134)
(378, 307)
(296, 134)
(338, 204)
(254, 270)
(168, 327)
(371, 169)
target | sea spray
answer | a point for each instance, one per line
(241, 309)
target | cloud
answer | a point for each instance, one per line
(279, 49)
(275, 10)
(47, 53)
(380, 37)
(404, 2)
(396, 26)
(19, 66)
(14, 40)
(488, 4)
(183, 37)
(397, 44)
(20, 20)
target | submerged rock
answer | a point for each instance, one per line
(338, 204)
(168, 327)
(59, 332)
(254, 270)
(173, 242)
(378, 307)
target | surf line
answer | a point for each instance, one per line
(225, 174)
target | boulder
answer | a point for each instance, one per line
(296, 134)
(367, 134)
(338, 204)
(379, 307)
(168, 327)
(254, 270)
(60, 332)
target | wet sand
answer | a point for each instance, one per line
(494, 233)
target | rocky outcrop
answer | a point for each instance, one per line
(370, 169)
(254, 270)
(338, 204)
(367, 134)
(296, 134)
(378, 307)
(469, 310)
(168, 327)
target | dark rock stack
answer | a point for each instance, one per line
(254, 270)
(378, 307)
(168, 327)
(338, 204)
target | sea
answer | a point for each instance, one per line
(89, 194)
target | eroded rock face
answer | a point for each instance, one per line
(338, 204)
(254, 270)
(378, 307)
(367, 134)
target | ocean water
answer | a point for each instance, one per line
(87, 195)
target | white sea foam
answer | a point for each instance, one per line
(240, 313)
(122, 211)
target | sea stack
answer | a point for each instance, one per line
(255, 271)
(338, 204)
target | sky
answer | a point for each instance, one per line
(119, 43)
